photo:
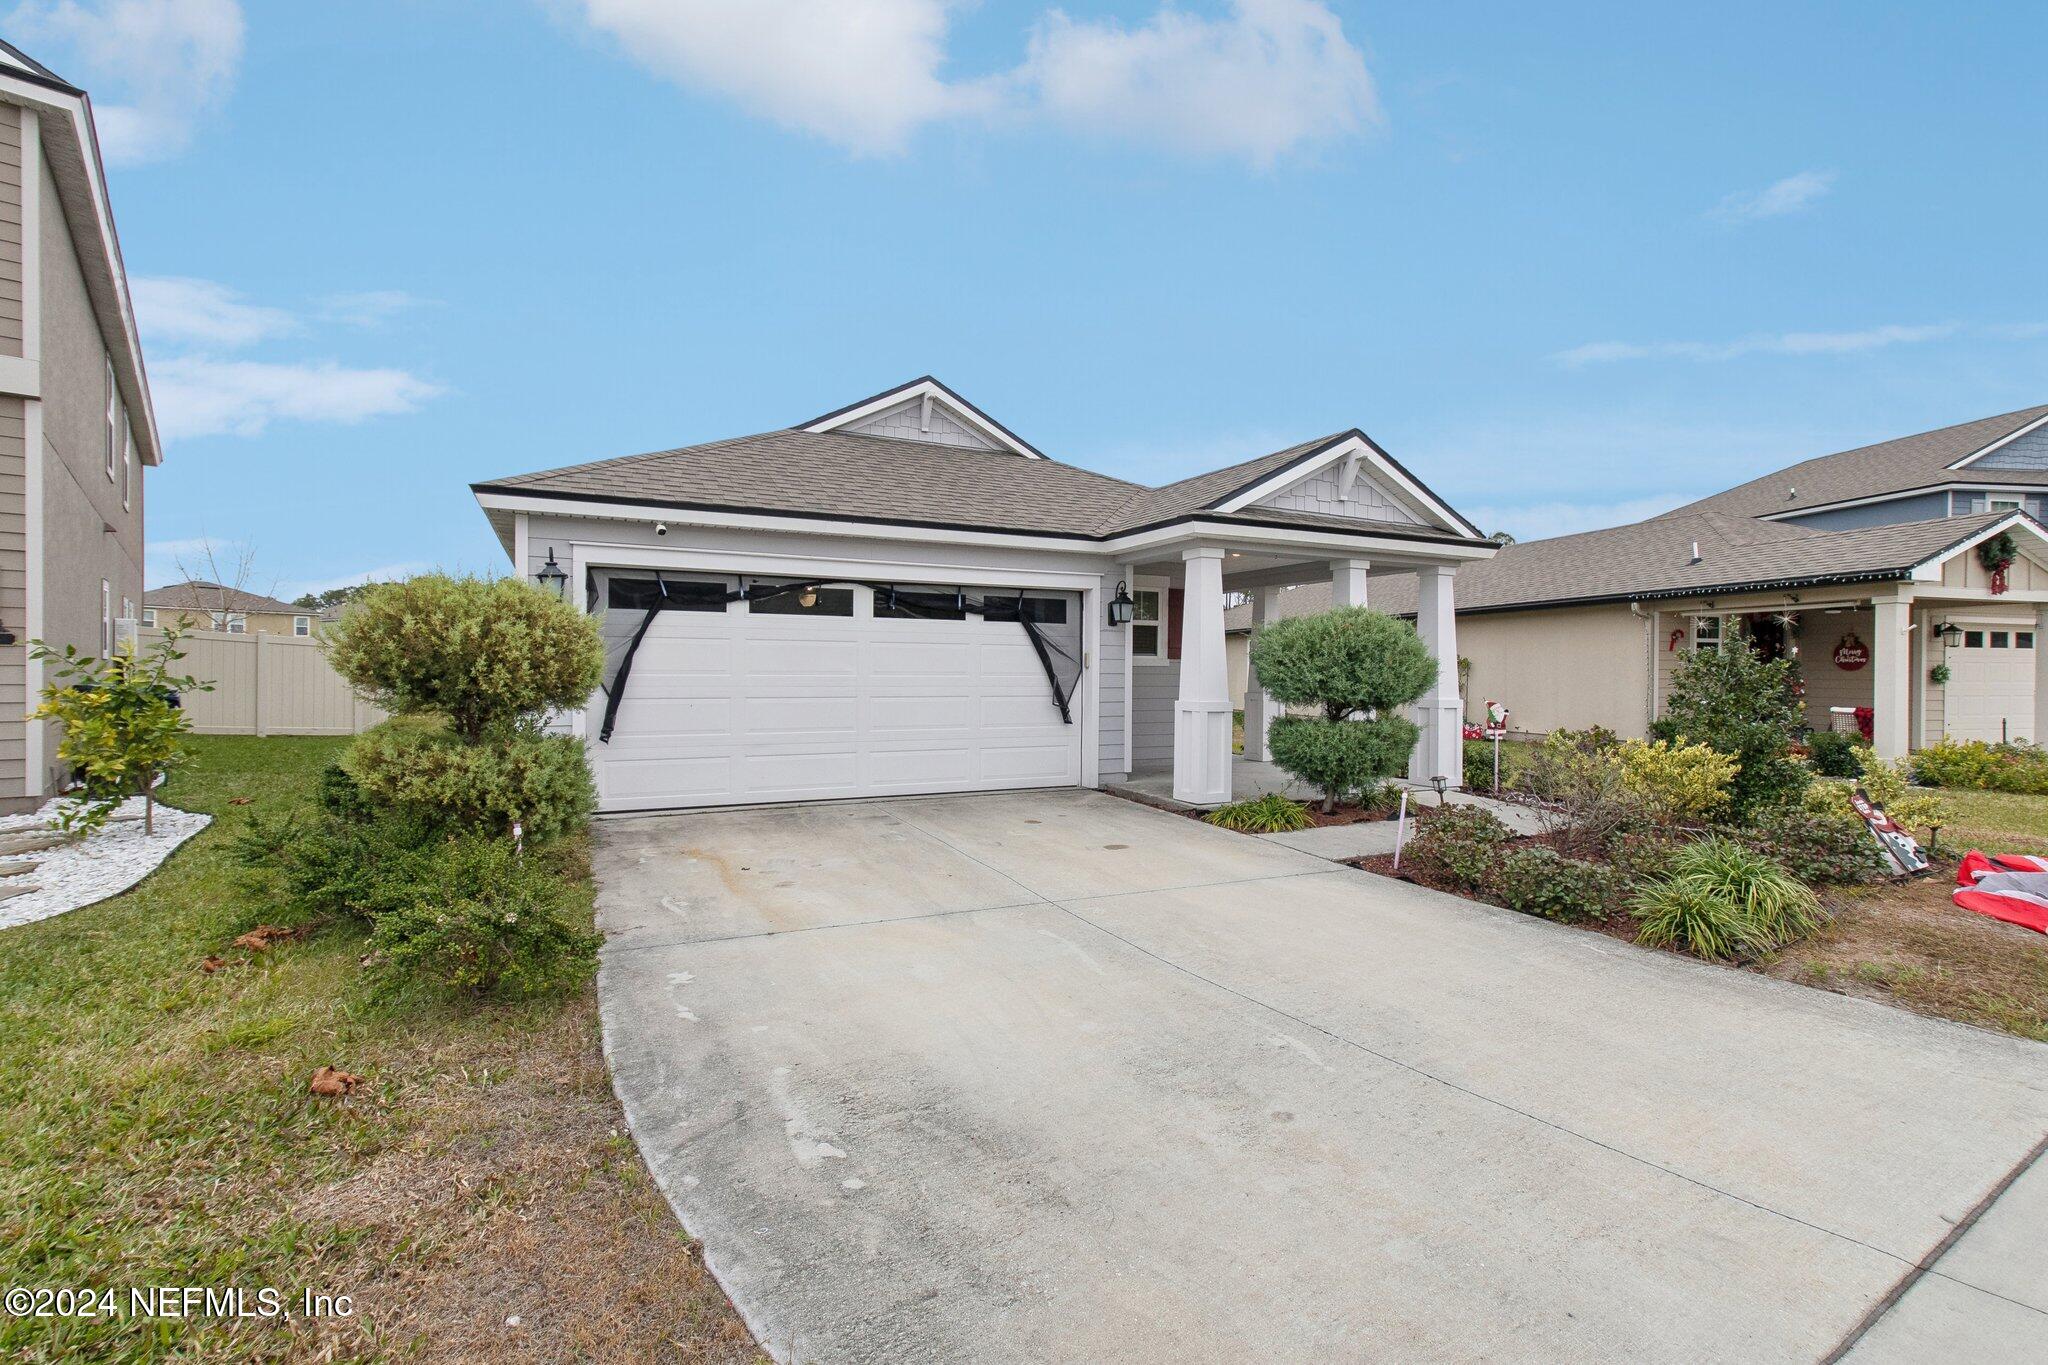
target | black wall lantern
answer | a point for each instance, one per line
(1121, 607)
(552, 578)
(1951, 634)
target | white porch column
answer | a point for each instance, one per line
(1201, 731)
(1891, 675)
(1347, 582)
(2040, 734)
(1259, 708)
(1441, 714)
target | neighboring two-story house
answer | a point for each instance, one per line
(76, 428)
(1872, 566)
(199, 605)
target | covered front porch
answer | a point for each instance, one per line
(1180, 736)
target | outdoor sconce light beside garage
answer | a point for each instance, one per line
(1951, 634)
(1121, 607)
(552, 578)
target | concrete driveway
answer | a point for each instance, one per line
(1056, 1077)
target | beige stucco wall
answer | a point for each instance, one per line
(259, 622)
(1569, 667)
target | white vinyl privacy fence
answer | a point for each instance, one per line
(266, 685)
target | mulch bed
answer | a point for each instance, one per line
(1619, 925)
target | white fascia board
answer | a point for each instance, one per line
(598, 554)
(1282, 537)
(1359, 546)
(1348, 448)
(1929, 570)
(2004, 440)
(76, 111)
(927, 389)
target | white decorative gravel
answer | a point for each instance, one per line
(103, 864)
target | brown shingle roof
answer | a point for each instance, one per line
(1896, 466)
(199, 595)
(862, 477)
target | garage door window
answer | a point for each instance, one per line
(672, 594)
(2001, 639)
(802, 599)
(2023, 639)
(1973, 639)
(1002, 606)
(921, 604)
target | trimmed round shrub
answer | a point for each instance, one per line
(1346, 661)
(482, 652)
(1343, 757)
(539, 781)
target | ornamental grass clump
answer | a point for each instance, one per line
(1357, 668)
(1721, 901)
(1269, 814)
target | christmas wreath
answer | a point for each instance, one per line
(1997, 555)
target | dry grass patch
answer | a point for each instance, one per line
(1906, 944)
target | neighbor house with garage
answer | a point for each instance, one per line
(903, 596)
(1909, 578)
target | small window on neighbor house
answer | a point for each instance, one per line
(149, 616)
(920, 604)
(128, 468)
(806, 601)
(1000, 604)
(673, 594)
(1148, 624)
(2000, 639)
(233, 622)
(1973, 639)
(106, 618)
(2023, 639)
(302, 625)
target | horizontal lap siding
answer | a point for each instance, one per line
(1110, 660)
(14, 700)
(10, 231)
(1154, 689)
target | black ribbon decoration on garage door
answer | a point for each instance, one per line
(1062, 669)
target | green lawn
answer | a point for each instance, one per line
(1987, 817)
(155, 1130)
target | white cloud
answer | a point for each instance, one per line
(367, 308)
(178, 308)
(1263, 79)
(1769, 343)
(1266, 78)
(203, 396)
(156, 67)
(861, 73)
(1790, 195)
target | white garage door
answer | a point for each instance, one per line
(1990, 692)
(816, 696)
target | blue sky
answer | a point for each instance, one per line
(1571, 264)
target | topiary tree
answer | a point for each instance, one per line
(485, 653)
(1356, 666)
(1734, 702)
(467, 666)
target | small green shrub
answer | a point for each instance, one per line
(1819, 850)
(489, 922)
(1586, 799)
(1834, 754)
(1676, 780)
(1720, 900)
(1972, 764)
(321, 863)
(1342, 757)
(1457, 844)
(1541, 881)
(1479, 766)
(538, 780)
(1269, 814)
(1916, 808)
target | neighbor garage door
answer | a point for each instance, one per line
(1990, 692)
(815, 697)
